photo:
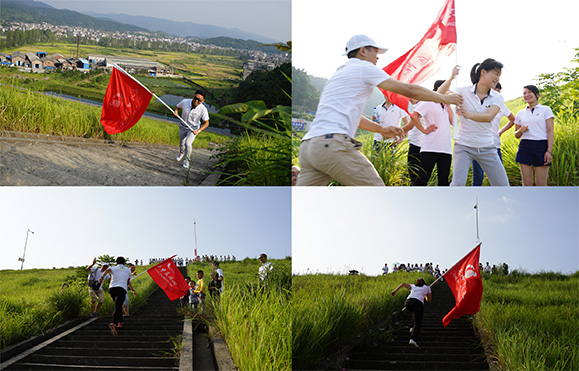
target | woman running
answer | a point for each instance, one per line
(415, 304)
(535, 126)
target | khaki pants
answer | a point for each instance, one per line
(338, 157)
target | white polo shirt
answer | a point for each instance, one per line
(388, 117)
(438, 141)
(472, 133)
(496, 123)
(419, 292)
(193, 116)
(536, 120)
(343, 98)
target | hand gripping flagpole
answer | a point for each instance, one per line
(154, 95)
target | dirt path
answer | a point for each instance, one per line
(41, 160)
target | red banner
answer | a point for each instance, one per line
(465, 282)
(168, 277)
(423, 60)
(125, 102)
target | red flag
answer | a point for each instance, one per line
(125, 102)
(168, 277)
(423, 60)
(466, 285)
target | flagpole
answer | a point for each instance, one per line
(154, 95)
(432, 284)
(476, 207)
(195, 233)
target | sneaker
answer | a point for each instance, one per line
(113, 329)
(413, 343)
(95, 314)
(120, 325)
(186, 164)
(411, 329)
(180, 157)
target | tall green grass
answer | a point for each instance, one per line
(533, 320)
(32, 301)
(30, 112)
(255, 320)
(329, 311)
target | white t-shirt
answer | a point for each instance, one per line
(264, 270)
(121, 275)
(220, 273)
(415, 137)
(193, 116)
(385, 269)
(536, 120)
(496, 123)
(419, 292)
(343, 98)
(388, 117)
(472, 133)
(438, 141)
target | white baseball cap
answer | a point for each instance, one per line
(358, 41)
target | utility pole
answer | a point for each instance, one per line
(476, 208)
(24, 253)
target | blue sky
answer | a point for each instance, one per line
(337, 229)
(270, 18)
(73, 225)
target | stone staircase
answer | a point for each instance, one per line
(455, 347)
(145, 342)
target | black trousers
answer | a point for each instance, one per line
(414, 165)
(417, 308)
(118, 294)
(442, 162)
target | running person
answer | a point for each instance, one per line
(196, 115)
(415, 304)
(475, 139)
(118, 290)
(328, 150)
(535, 126)
(478, 173)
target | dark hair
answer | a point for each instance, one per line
(352, 53)
(216, 263)
(121, 260)
(420, 282)
(200, 272)
(533, 89)
(263, 255)
(200, 93)
(437, 84)
(499, 86)
(488, 64)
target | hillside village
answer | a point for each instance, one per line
(42, 62)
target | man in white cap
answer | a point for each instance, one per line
(329, 151)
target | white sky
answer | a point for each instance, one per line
(73, 225)
(335, 229)
(270, 18)
(529, 37)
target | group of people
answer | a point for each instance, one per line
(195, 297)
(210, 258)
(427, 268)
(121, 277)
(177, 261)
(329, 151)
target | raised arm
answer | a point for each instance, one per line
(445, 87)
(419, 93)
(405, 285)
